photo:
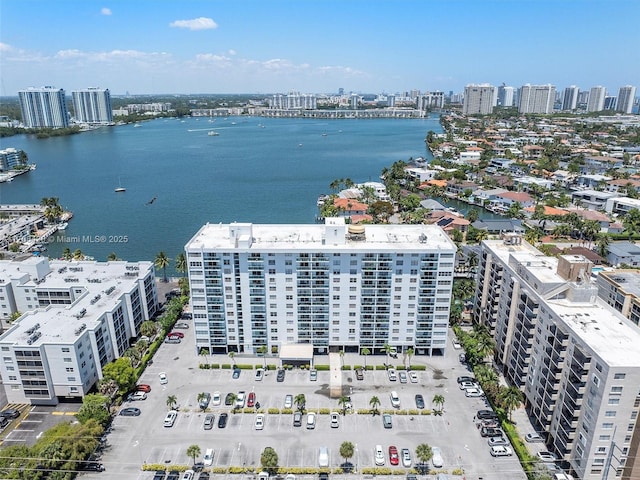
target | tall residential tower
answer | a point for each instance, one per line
(537, 98)
(44, 107)
(626, 97)
(479, 99)
(93, 106)
(596, 99)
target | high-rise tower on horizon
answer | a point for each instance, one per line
(596, 99)
(626, 97)
(44, 107)
(92, 105)
(505, 96)
(537, 98)
(570, 98)
(479, 99)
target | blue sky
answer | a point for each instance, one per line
(262, 46)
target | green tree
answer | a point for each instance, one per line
(438, 402)
(510, 398)
(121, 372)
(375, 403)
(162, 261)
(204, 352)
(172, 401)
(78, 255)
(343, 401)
(94, 407)
(233, 397)
(300, 401)
(365, 352)
(424, 454)
(193, 451)
(181, 263)
(201, 396)
(112, 257)
(232, 357)
(148, 328)
(269, 460)
(387, 350)
(602, 244)
(346, 451)
(409, 353)
(66, 254)
(262, 350)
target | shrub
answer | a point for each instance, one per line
(380, 367)
(419, 368)
(426, 412)
(346, 367)
(204, 366)
(162, 466)
(236, 470)
(215, 365)
(322, 368)
(324, 411)
(271, 367)
(245, 367)
(356, 367)
(273, 411)
(225, 366)
(369, 367)
(363, 411)
(284, 411)
(457, 471)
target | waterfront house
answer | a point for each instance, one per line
(592, 199)
(591, 181)
(526, 183)
(448, 221)
(349, 207)
(621, 205)
(456, 188)
(507, 199)
(600, 164)
(619, 184)
(548, 211)
(432, 205)
(532, 152)
(627, 253)
(593, 215)
(501, 225)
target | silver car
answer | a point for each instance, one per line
(288, 401)
(406, 458)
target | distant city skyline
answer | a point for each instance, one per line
(316, 46)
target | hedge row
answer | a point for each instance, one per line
(320, 368)
(285, 470)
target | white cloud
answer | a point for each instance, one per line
(5, 47)
(201, 23)
(105, 11)
(232, 52)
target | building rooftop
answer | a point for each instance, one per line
(627, 280)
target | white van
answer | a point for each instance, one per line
(208, 457)
(170, 419)
(323, 457)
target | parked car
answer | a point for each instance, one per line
(436, 459)
(159, 475)
(204, 401)
(236, 373)
(297, 419)
(228, 399)
(406, 458)
(208, 421)
(172, 340)
(311, 421)
(462, 358)
(204, 476)
(10, 413)
(497, 441)
(534, 438)
(323, 457)
(359, 374)
(259, 422)
(259, 375)
(92, 467)
(485, 414)
(335, 420)
(170, 419)
(473, 392)
(181, 325)
(391, 373)
(491, 432)
(500, 451)
(419, 401)
(313, 375)
(163, 378)
(187, 475)
(216, 399)
(395, 399)
(488, 423)
(547, 457)
(222, 420)
(130, 412)
(465, 385)
(240, 399)
(208, 457)
(143, 387)
(394, 458)
(466, 379)
(4, 421)
(386, 421)
(402, 376)
(288, 401)
(176, 334)
(280, 375)
(173, 475)
(136, 396)
(251, 399)
(413, 376)
(379, 455)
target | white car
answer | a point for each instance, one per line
(406, 458)
(501, 451)
(259, 423)
(323, 457)
(395, 399)
(259, 374)
(187, 475)
(217, 398)
(474, 392)
(288, 401)
(465, 385)
(392, 374)
(311, 421)
(436, 459)
(494, 441)
(379, 455)
(413, 376)
(163, 378)
(240, 399)
(547, 457)
(208, 457)
(335, 420)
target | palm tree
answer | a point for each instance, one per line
(232, 356)
(364, 352)
(438, 401)
(262, 350)
(201, 396)
(205, 353)
(78, 255)
(484, 344)
(424, 454)
(300, 400)
(112, 257)
(343, 401)
(346, 451)
(375, 403)
(387, 350)
(66, 254)
(342, 357)
(510, 398)
(181, 263)
(162, 261)
(602, 244)
(172, 401)
(233, 397)
(481, 235)
(193, 451)
(409, 353)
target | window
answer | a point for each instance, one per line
(613, 401)
(607, 426)
(619, 376)
(610, 413)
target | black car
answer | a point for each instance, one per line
(159, 475)
(236, 373)
(92, 467)
(203, 476)
(323, 476)
(130, 412)
(280, 376)
(4, 421)
(419, 401)
(359, 374)
(222, 420)
(228, 400)
(486, 415)
(173, 475)
(198, 467)
(10, 413)
(466, 379)
(491, 432)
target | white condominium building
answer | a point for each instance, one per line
(621, 290)
(332, 286)
(79, 317)
(44, 107)
(596, 99)
(575, 359)
(93, 106)
(537, 98)
(626, 97)
(570, 98)
(479, 99)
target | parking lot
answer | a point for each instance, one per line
(143, 439)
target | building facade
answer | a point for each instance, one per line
(430, 100)
(11, 158)
(570, 98)
(536, 98)
(626, 97)
(333, 286)
(93, 106)
(596, 99)
(505, 96)
(621, 290)
(79, 316)
(574, 358)
(479, 99)
(44, 107)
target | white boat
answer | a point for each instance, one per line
(120, 188)
(62, 226)
(213, 133)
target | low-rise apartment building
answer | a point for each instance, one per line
(621, 290)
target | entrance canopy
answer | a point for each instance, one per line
(296, 353)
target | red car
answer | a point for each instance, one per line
(393, 455)
(176, 334)
(251, 399)
(143, 388)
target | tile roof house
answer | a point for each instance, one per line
(349, 207)
(509, 198)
